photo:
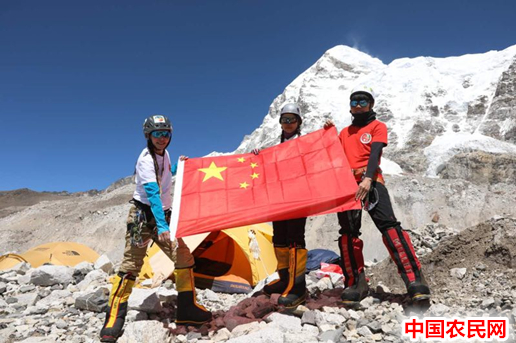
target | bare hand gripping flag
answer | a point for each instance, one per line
(298, 178)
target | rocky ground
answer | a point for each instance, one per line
(471, 274)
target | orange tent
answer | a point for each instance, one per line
(232, 260)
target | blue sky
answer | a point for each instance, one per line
(77, 78)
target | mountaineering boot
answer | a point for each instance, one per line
(400, 249)
(295, 293)
(419, 290)
(189, 312)
(357, 292)
(352, 263)
(117, 310)
(279, 285)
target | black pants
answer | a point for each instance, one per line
(382, 215)
(288, 233)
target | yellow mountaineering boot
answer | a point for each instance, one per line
(117, 310)
(189, 312)
(295, 293)
(279, 285)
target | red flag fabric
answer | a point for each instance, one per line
(299, 178)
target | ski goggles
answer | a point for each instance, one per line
(362, 103)
(159, 134)
(287, 120)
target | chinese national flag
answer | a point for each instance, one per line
(299, 178)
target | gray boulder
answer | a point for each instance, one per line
(92, 280)
(27, 299)
(55, 298)
(52, 275)
(146, 300)
(105, 264)
(148, 331)
(96, 301)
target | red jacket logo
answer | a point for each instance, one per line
(366, 138)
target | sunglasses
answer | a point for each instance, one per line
(159, 134)
(362, 103)
(286, 120)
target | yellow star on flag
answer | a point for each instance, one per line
(255, 175)
(254, 165)
(213, 171)
(241, 159)
(244, 185)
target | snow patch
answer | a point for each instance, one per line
(444, 147)
(390, 167)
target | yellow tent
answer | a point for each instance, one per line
(56, 253)
(10, 260)
(232, 260)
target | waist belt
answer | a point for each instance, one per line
(359, 175)
(147, 209)
(144, 207)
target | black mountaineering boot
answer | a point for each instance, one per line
(419, 290)
(189, 312)
(354, 294)
(279, 286)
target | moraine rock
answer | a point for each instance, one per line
(95, 301)
(166, 295)
(144, 300)
(284, 322)
(55, 297)
(92, 280)
(221, 336)
(21, 268)
(148, 331)
(246, 329)
(459, 273)
(270, 335)
(309, 317)
(105, 264)
(27, 299)
(133, 316)
(331, 336)
(52, 275)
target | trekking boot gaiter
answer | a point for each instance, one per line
(352, 264)
(402, 253)
(117, 310)
(295, 293)
(279, 285)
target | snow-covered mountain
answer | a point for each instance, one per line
(435, 108)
